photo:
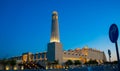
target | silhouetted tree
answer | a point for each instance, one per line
(20, 65)
(12, 63)
(49, 63)
(69, 62)
(77, 62)
(92, 62)
(4, 62)
(115, 62)
(56, 62)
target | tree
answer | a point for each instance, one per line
(92, 62)
(12, 63)
(56, 62)
(4, 62)
(77, 62)
(49, 63)
(0, 61)
(20, 65)
(69, 62)
(115, 62)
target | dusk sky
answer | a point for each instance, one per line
(25, 25)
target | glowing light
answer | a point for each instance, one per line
(51, 67)
(22, 68)
(71, 58)
(7, 68)
(66, 67)
(54, 40)
(15, 68)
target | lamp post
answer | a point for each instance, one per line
(109, 53)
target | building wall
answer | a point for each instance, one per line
(55, 52)
(84, 54)
(1, 67)
(31, 57)
(71, 55)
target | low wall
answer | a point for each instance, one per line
(93, 68)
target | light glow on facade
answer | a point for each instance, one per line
(15, 68)
(53, 39)
(7, 68)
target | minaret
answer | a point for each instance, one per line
(55, 28)
(54, 50)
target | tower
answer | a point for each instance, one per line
(54, 50)
(55, 28)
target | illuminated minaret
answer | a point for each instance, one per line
(55, 28)
(54, 50)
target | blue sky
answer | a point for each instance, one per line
(25, 25)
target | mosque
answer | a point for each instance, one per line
(55, 50)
